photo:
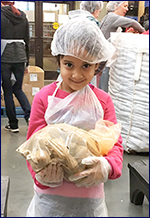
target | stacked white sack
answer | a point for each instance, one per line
(129, 89)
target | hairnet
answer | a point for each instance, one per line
(91, 6)
(113, 5)
(82, 39)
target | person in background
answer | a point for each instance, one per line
(14, 61)
(144, 19)
(88, 9)
(113, 22)
(79, 47)
(93, 7)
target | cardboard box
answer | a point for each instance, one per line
(35, 76)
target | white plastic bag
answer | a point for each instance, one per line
(80, 108)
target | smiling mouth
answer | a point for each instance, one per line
(77, 82)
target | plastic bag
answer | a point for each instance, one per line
(80, 108)
(68, 145)
(106, 134)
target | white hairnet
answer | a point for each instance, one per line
(82, 39)
(113, 5)
(91, 6)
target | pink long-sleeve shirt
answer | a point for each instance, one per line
(37, 122)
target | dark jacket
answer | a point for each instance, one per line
(14, 27)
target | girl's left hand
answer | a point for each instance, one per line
(97, 172)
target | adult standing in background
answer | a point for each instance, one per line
(14, 59)
(110, 23)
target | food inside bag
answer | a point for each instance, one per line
(68, 145)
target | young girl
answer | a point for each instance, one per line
(79, 46)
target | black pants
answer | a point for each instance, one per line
(16, 89)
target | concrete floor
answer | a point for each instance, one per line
(21, 183)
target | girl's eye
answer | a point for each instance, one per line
(86, 66)
(68, 64)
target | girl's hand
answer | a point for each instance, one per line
(51, 176)
(97, 172)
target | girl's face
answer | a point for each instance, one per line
(75, 73)
(122, 9)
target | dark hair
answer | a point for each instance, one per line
(101, 67)
(58, 57)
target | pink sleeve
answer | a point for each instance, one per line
(36, 123)
(39, 106)
(37, 120)
(115, 159)
(115, 155)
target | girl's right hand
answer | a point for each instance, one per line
(52, 175)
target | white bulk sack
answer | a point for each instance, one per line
(129, 89)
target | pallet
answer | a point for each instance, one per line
(19, 112)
